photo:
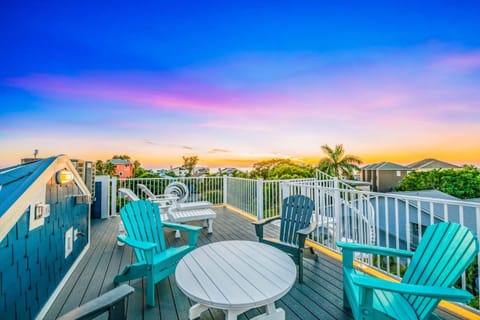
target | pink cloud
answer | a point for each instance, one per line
(178, 95)
(460, 61)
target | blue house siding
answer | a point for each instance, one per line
(33, 262)
(469, 219)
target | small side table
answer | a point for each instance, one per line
(236, 276)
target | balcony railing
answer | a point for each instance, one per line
(341, 212)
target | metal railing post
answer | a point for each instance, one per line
(259, 199)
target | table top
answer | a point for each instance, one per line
(235, 274)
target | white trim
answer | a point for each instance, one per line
(60, 286)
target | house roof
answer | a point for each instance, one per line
(385, 165)
(432, 164)
(21, 185)
(435, 194)
(120, 161)
(15, 180)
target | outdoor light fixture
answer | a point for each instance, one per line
(63, 176)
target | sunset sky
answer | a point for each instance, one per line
(235, 84)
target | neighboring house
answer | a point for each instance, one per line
(44, 232)
(424, 209)
(200, 171)
(430, 164)
(123, 168)
(383, 176)
(226, 171)
(359, 185)
(179, 171)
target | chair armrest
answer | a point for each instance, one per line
(146, 246)
(259, 225)
(451, 294)
(265, 221)
(110, 301)
(303, 234)
(182, 227)
(192, 231)
(350, 246)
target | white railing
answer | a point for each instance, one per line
(342, 213)
(242, 194)
(400, 221)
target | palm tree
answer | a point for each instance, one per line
(136, 166)
(100, 167)
(109, 168)
(337, 163)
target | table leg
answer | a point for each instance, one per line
(232, 315)
(196, 310)
(271, 313)
(210, 225)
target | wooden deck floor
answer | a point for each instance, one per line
(319, 297)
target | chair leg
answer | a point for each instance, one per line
(300, 266)
(150, 289)
(346, 303)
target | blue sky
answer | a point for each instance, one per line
(238, 83)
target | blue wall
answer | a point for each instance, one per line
(33, 263)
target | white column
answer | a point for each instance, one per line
(225, 189)
(113, 203)
(259, 199)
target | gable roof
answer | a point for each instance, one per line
(22, 183)
(432, 164)
(15, 180)
(385, 165)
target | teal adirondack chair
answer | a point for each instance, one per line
(444, 252)
(295, 226)
(145, 235)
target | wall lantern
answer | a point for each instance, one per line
(63, 176)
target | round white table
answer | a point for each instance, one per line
(236, 276)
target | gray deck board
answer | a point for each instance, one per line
(319, 297)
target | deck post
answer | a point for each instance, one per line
(259, 199)
(113, 190)
(225, 190)
(338, 208)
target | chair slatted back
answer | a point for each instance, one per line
(444, 252)
(296, 214)
(143, 223)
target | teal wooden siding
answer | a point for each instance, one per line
(33, 262)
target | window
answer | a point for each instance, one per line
(399, 173)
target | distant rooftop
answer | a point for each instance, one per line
(120, 161)
(385, 166)
(432, 164)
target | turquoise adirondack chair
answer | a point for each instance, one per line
(295, 226)
(145, 235)
(444, 252)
